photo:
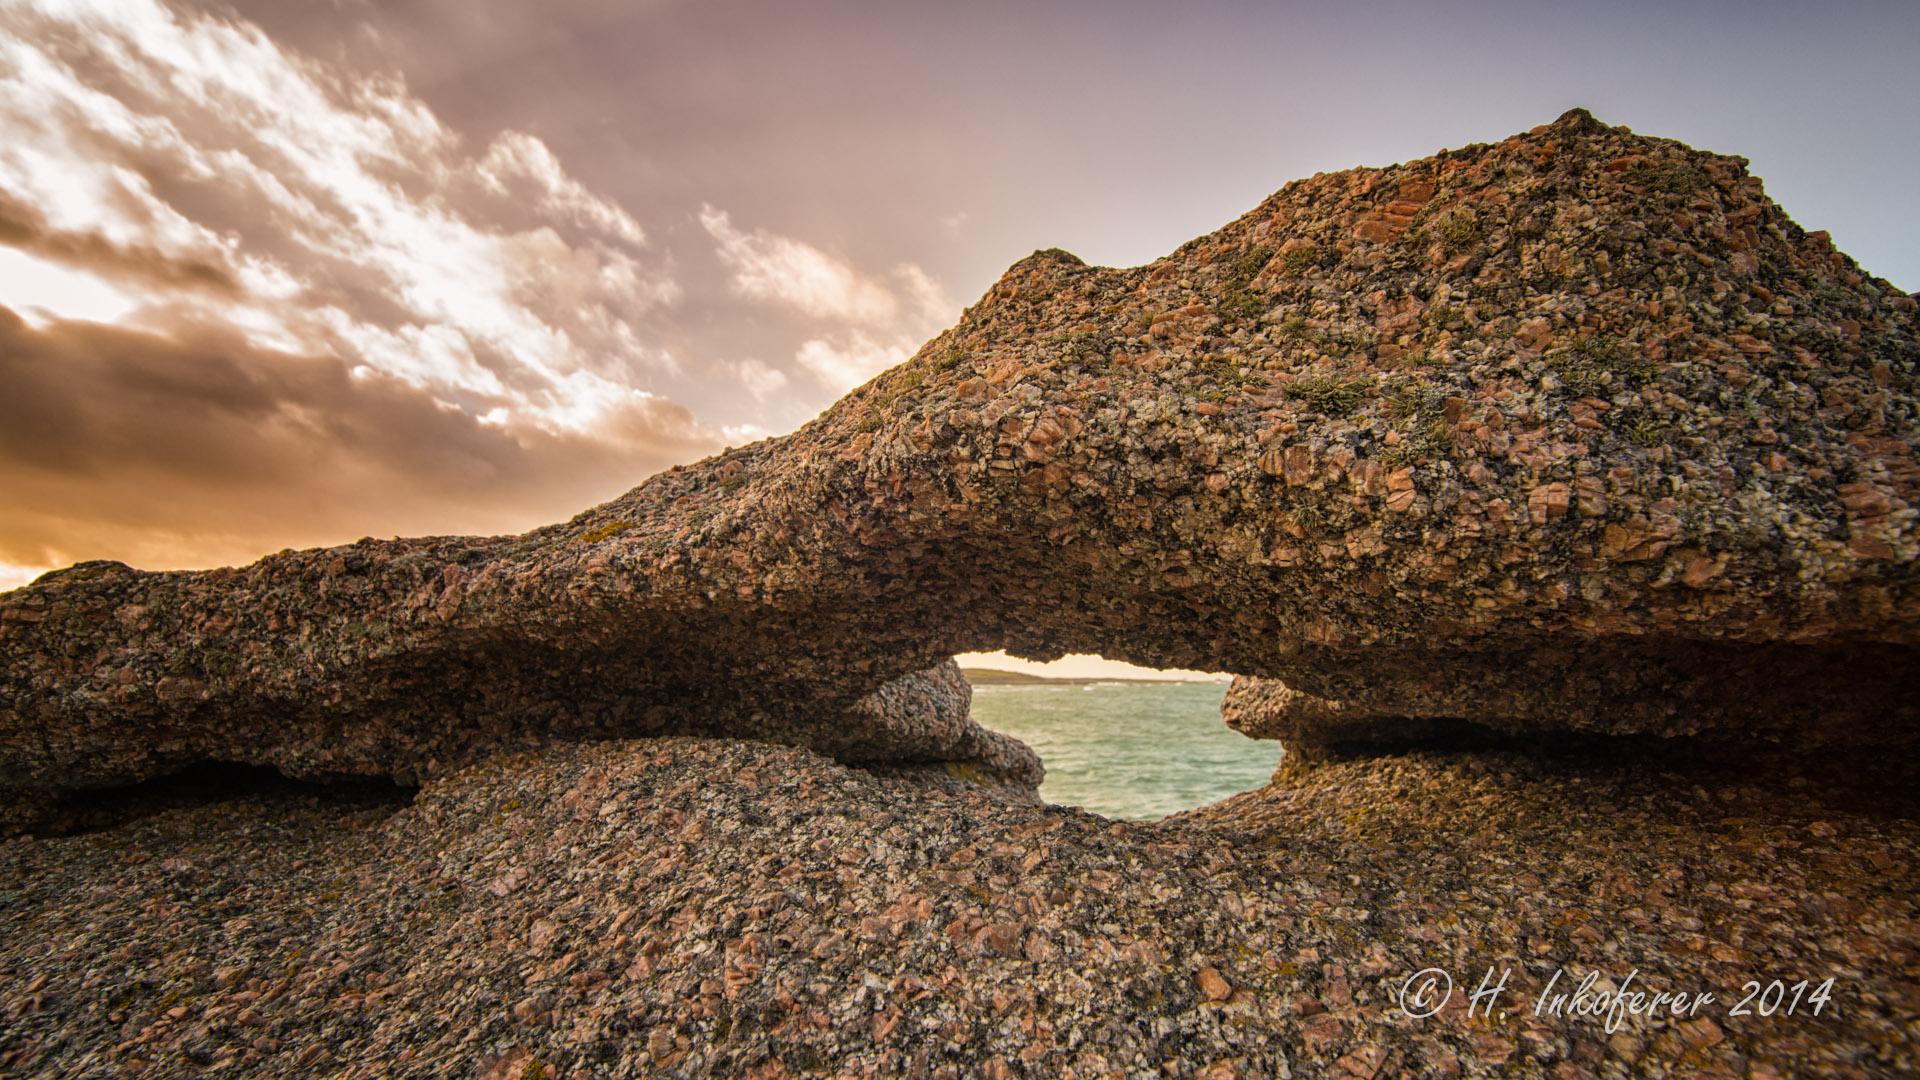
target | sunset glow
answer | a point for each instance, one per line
(38, 290)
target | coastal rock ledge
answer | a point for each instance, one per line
(1573, 432)
(1496, 477)
(718, 909)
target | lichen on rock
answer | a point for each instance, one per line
(1573, 431)
(1571, 437)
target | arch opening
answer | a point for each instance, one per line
(1117, 740)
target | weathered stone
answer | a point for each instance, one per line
(922, 720)
(1040, 479)
(1534, 333)
(1213, 984)
(710, 909)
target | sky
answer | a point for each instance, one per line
(284, 274)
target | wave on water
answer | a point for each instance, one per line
(1130, 750)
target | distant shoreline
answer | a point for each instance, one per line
(996, 677)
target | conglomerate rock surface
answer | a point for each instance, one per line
(700, 908)
(1573, 431)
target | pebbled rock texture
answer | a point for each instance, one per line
(922, 720)
(696, 908)
(1560, 433)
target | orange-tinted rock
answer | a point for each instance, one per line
(1590, 539)
(1534, 333)
(1374, 230)
(1213, 984)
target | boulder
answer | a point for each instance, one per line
(922, 720)
(1581, 416)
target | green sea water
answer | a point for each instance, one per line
(1130, 750)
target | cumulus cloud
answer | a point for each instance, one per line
(254, 299)
(517, 161)
(194, 159)
(771, 267)
(25, 228)
(332, 315)
(760, 379)
(847, 362)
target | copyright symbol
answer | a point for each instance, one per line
(1425, 992)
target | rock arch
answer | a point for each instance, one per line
(1577, 431)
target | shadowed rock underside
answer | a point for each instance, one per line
(1569, 432)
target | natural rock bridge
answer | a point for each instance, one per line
(1571, 437)
(1575, 432)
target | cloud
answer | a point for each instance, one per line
(875, 322)
(516, 160)
(771, 267)
(35, 285)
(193, 159)
(852, 360)
(317, 311)
(761, 380)
(196, 445)
(12, 576)
(26, 228)
(330, 315)
(927, 301)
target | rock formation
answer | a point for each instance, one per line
(699, 908)
(921, 720)
(1568, 437)
(1577, 431)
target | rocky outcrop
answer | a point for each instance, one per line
(1579, 418)
(695, 908)
(922, 721)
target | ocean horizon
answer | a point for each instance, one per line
(1129, 750)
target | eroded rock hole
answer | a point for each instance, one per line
(1123, 743)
